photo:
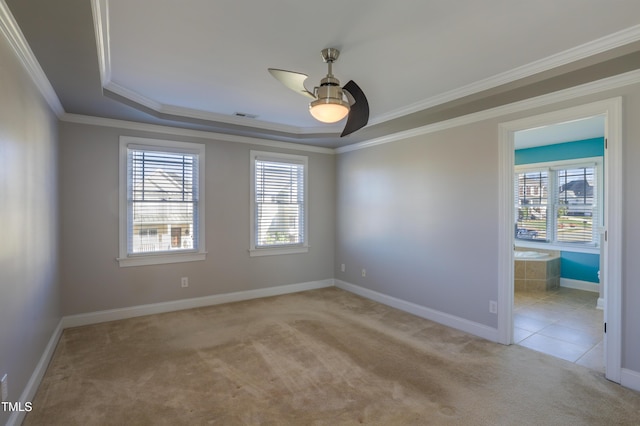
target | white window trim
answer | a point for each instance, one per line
(279, 250)
(564, 164)
(125, 259)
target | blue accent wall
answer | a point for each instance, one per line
(576, 266)
(561, 151)
(580, 266)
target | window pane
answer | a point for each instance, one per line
(573, 229)
(279, 192)
(162, 200)
(278, 224)
(576, 204)
(532, 196)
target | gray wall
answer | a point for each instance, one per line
(421, 215)
(418, 214)
(29, 292)
(631, 231)
(91, 278)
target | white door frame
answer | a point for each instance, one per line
(612, 247)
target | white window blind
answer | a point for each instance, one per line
(532, 189)
(279, 203)
(576, 205)
(558, 204)
(162, 200)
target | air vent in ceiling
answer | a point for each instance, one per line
(245, 115)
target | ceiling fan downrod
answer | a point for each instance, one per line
(329, 93)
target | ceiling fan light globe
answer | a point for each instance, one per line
(329, 110)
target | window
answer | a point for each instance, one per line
(559, 202)
(161, 201)
(532, 202)
(278, 203)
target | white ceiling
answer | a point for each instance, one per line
(575, 130)
(212, 56)
(205, 60)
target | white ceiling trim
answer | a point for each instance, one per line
(100, 10)
(629, 35)
(191, 113)
(12, 32)
(131, 95)
(610, 83)
(618, 81)
(101, 24)
(100, 13)
(177, 131)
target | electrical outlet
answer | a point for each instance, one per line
(493, 307)
(184, 282)
(5, 388)
(364, 272)
(343, 267)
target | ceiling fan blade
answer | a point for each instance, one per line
(359, 113)
(293, 80)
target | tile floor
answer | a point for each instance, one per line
(563, 323)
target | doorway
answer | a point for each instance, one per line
(611, 240)
(558, 204)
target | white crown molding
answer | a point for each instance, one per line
(13, 34)
(131, 95)
(11, 31)
(622, 80)
(612, 41)
(240, 121)
(197, 114)
(177, 131)
(100, 14)
(100, 8)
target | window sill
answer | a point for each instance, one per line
(274, 251)
(158, 259)
(560, 247)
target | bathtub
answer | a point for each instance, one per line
(530, 255)
(536, 270)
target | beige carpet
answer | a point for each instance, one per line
(323, 357)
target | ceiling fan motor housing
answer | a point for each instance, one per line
(330, 90)
(329, 106)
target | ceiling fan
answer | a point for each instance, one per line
(329, 104)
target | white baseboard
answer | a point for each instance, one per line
(452, 321)
(580, 285)
(197, 302)
(583, 285)
(630, 379)
(30, 389)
